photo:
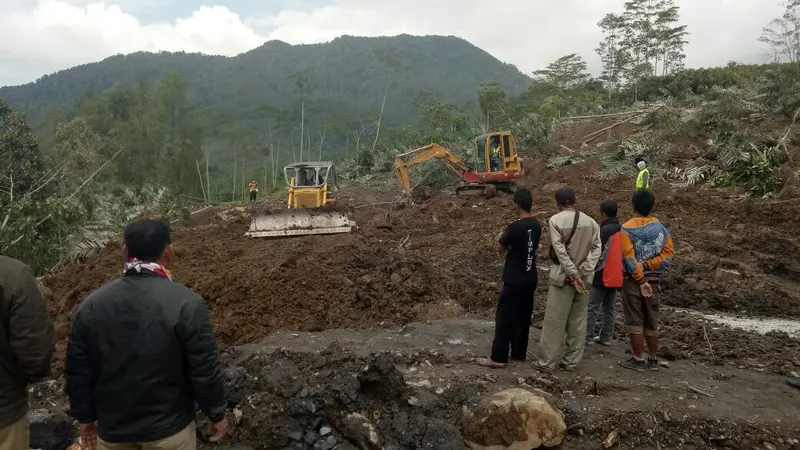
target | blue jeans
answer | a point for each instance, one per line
(605, 298)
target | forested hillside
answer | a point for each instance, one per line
(347, 74)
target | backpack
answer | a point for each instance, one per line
(612, 269)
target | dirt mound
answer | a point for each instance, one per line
(436, 259)
(377, 275)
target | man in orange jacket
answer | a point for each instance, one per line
(253, 190)
(646, 251)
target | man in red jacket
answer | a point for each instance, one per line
(600, 296)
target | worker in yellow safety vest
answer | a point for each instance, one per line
(496, 161)
(643, 179)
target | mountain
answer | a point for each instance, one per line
(347, 74)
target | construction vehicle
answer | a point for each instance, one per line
(498, 164)
(311, 186)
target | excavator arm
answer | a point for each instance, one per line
(433, 151)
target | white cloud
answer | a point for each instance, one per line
(38, 38)
(56, 35)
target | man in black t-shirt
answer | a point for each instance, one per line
(515, 307)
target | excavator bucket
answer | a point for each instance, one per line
(299, 222)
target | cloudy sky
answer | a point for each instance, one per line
(38, 37)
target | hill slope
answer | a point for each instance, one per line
(347, 74)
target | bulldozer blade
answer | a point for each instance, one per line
(299, 222)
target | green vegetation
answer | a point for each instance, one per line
(155, 133)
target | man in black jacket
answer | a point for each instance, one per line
(26, 347)
(142, 353)
(601, 296)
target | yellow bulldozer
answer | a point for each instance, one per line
(311, 187)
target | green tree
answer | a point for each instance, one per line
(669, 38)
(567, 72)
(393, 67)
(612, 54)
(33, 216)
(439, 120)
(304, 85)
(782, 34)
(22, 163)
(493, 102)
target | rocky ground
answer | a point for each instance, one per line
(385, 321)
(296, 390)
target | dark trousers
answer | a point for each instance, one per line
(513, 323)
(252, 196)
(605, 299)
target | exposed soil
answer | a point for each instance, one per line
(411, 383)
(434, 259)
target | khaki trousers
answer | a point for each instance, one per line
(16, 436)
(565, 313)
(184, 440)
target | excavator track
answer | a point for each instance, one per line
(472, 190)
(488, 190)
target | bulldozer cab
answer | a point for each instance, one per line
(311, 184)
(497, 152)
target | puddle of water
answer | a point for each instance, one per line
(755, 324)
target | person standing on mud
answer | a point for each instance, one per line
(515, 307)
(601, 297)
(141, 354)
(646, 251)
(253, 191)
(643, 178)
(574, 251)
(26, 347)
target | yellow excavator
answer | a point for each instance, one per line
(311, 186)
(498, 164)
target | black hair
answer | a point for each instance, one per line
(146, 239)
(565, 196)
(524, 199)
(609, 208)
(643, 202)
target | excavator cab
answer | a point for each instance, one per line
(497, 154)
(311, 185)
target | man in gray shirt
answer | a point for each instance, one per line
(575, 250)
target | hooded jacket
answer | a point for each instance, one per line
(646, 248)
(26, 338)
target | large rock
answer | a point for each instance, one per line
(513, 419)
(361, 431)
(51, 431)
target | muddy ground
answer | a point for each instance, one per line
(412, 383)
(433, 260)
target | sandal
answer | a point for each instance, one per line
(487, 362)
(538, 366)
